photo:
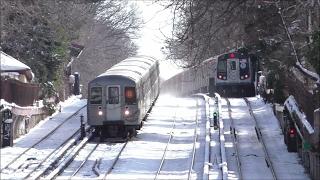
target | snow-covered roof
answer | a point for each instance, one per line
(8, 63)
(133, 67)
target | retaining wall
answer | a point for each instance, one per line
(24, 119)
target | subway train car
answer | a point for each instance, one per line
(235, 74)
(231, 74)
(120, 98)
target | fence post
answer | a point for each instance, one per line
(215, 120)
(7, 128)
(82, 129)
(76, 88)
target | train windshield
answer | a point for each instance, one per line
(233, 65)
(96, 95)
(130, 95)
(222, 66)
(113, 95)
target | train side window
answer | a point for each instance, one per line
(130, 95)
(113, 95)
(96, 95)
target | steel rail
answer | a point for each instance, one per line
(165, 151)
(261, 140)
(69, 158)
(224, 165)
(232, 130)
(55, 156)
(84, 161)
(115, 160)
(53, 152)
(166, 148)
(195, 138)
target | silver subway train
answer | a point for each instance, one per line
(231, 74)
(120, 98)
(235, 74)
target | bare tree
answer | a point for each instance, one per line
(209, 27)
(39, 32)
(107, 39)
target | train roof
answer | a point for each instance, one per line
(133, 67)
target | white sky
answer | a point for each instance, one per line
(158, 24)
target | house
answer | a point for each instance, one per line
(17, 82)
(14, 69)
(17, 96)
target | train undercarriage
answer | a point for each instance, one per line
(236, 90)
(115, 132)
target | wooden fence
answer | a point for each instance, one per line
(22, 94)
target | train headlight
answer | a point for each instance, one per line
(126, 111)
(241, 77)
(246, 76)
(220, 77)
(224, 77)
(100, 113)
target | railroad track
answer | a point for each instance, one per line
(242, 137)
(260, 137)
(114, 161)
(193, 151)
(26, 163)
(51, 161)
(95, 146)
(234, 140)
(69, 157)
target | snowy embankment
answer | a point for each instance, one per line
(286, 164)
(43, 128)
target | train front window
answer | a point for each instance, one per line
(130, 95)
(96, 95)
(222, 66)
(233, 65)
(113, 95)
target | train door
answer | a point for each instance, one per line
(113, 105)
(233, 73)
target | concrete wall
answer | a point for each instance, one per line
(24, 119)
(23, 124)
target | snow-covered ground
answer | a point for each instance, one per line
(251, 155)
(41, 150)
(142, 155)
(286, 164)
